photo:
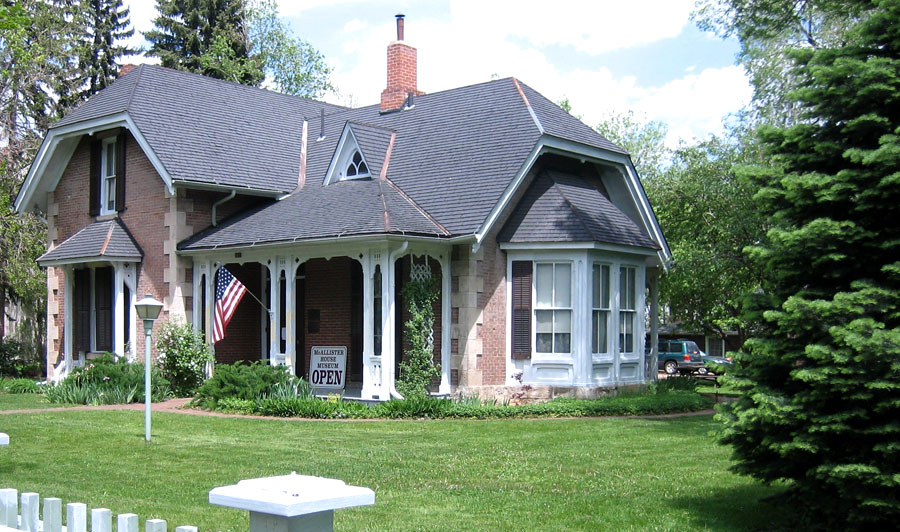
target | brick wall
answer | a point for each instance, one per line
(146, 202)
(328, 291)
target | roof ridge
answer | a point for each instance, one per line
(242, 86)
(416, 206)
(134, 85)
(534, 116)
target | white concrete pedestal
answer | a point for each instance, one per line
(291, 503)
(4, 439)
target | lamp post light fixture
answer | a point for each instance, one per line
(148, 310)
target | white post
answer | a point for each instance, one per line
(185, 529)
(148, 326)
(30, 504)
(155, 525)
(653, 363)
(52, 514)
(446, 310)
(127, 523)
(101, 520)
(76, 517)
(9, 507)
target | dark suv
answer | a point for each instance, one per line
(680, 356)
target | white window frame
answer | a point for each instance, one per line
(108, 181)
(553, 308)
(596, 348)
(628, 309)
(349, 162)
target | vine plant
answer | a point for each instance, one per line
(417, 369)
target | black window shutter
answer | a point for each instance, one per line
(521, 309)
(103, 297)
(82, 307)
(94, 179)
(120, 171)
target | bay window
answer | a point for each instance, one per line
(553, 308)
(627, 308)
(600, 309)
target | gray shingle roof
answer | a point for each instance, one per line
(455, 152)
(210, 131)
(346, 208)
(560, 207)
(100, 240)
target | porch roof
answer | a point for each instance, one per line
(104, 240)
(561, 207)
(347, 208)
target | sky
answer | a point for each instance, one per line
(604, 56)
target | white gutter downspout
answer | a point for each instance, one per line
(229, 197)
(392, 317)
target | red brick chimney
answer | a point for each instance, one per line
(125, 69)
(401, 72)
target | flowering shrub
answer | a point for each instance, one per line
(182, 356)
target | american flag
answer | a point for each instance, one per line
(229, 292)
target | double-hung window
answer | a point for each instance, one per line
(627, 308)
(108, 167)
(600, 309)
(553, 307)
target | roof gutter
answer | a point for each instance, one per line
(215, 205)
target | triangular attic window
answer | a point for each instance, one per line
(349, 161)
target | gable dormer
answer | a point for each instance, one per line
(362, 152)
(348, 162)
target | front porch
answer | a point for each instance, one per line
(324, 296)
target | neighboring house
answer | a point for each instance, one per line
(538, 228)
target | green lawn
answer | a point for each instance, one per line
(25, 401)
(453, 475)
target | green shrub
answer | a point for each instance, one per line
(183, 356)
(684, 382)
(22, 386)
(413, 407)
(292, 388)
(312, 407)
(233, 405)
(240, 381)
(107, 380)
(16, 361)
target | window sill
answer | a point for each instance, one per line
(105, 217)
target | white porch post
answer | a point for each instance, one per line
(388, 347)
(68, 338)
(368, 270)
(274, 325)
(288, 268)
(582, 358)
(653, 363)
(446, 311)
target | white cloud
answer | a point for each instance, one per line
(591, 27)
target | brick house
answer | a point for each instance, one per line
(537, 226)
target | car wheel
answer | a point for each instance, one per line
(671, 367)
(702, 371)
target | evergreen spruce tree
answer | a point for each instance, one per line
(821, 403)
(103, 25)
(187, 30)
